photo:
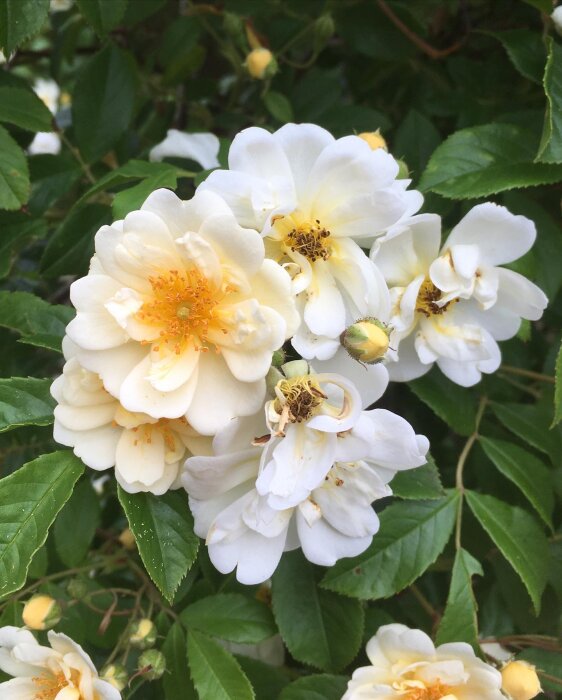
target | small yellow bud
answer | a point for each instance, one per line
(155, 663)
(520, 680)
(116, 675)
(261, 63)
(41, 612)
(366, 340)
(127, 539)
(143, 634)
(374, 139)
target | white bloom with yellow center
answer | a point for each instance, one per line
(147, 452)
(316, 200)
(335, 519)
(62, 671)
(451, 307)
(180, 313)
(406, 665)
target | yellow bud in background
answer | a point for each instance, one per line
(520, 680)
(143, 634)
(374, 139)
(261, 63)
(366, 340)
(116, 675)
(41, 612)
(127, 539)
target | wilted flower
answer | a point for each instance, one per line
(180, 313)
(407, 666)
(203, 148)
(63, 671)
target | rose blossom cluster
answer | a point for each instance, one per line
(172, 373)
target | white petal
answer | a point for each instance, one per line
(394, 444)
(324, 312)
(140, 456)
(203, 148)
(19, 689)
(96, 448)
(323, 545)
(409, 366)
(236, 246)
(520, 296)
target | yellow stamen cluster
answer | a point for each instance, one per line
(298, 399)
(434, 692)
(428, 296)
(49, 686)
(310, 240)
(165, 426)
(183, 306)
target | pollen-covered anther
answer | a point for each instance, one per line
(428, 299)
(310, 240)
(435, 691)
(298, 399)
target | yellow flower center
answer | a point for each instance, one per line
(309, 238)
(184, 306)
(298, 399)
(433, 692)
(165, 426)
(50, 686)
(428, 296)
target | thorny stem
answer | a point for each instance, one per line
(527, 373)
(460, 468)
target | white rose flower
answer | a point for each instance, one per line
(46, 142)
(316, 200)
(147, 453)
(334, 519)
(203, 148)
(180, 313)
(406, 665)
(451, 307)
(556, 17)
(62, 671)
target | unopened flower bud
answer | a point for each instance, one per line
(520, 680)
(374, 139)
(366, 340)
(143, 634)
(116, 675)
(324, 29)
(556, 17)
(261, 63)
(41, 612)
(154, 661)
(77, 588)
(233, 24)
(127, 539)
(403, 170)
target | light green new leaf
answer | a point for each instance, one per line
(14, 173)
(453, 404)
(25, 401)
(20, 19)
(420, 483)
(518, 537)
(526, 471)
(104, 100)
(525, 49)
(558, 389)
(316, 687)
(550, 149)
(531, 424)
(101, 14)
(459, 622)
(215, 672)
(24, 109)
(176, 681)
(231, 616)
(76, 525)
(411, 537)
(38, 322)
(279, 106)
(319, 628)
(163, 529)
(483, 160)
(30, 499)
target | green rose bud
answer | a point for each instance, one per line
(155, 663)
(143, 634)
(116, 675)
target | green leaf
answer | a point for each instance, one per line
(316, 687)
(519, 539)
(29, 502)
(70, 248)
(25, 401)
(103, 101)
(215, 672)
(176, 680)
(484, 160)
(132, 198)
(51, 178)
(76, 524)
(420, 483)
(558, 389)
(411, 537)
(416, 139)
(459, 622)
(18, 230)
(163, 529)
(550, 148)
(525, 49)
(24, 109)
(530, 424)
(231, 616)
(267, 681)
(38, 322)
(20, 19)
(14, 173)
(278, 106)
(453, 404)
(526, 471)
(319, 627)
(101, 14)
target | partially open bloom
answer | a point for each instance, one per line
(147, 452)
(451, 306)
(316, 200)
(62, 671)
(407, 666)
(46, 141)
(180, 313)
(203, 148)
(249, 530)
